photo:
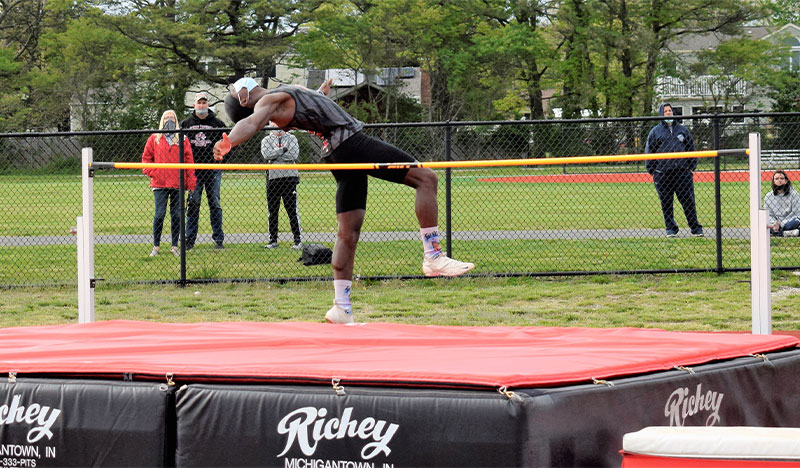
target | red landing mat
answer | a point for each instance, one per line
(373, 353)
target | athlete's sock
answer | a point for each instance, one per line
(341, 291)
(430, 241)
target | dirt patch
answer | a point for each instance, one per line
(785, 292)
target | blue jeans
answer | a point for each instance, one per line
(161, 197)
(792, 224)
(210, 181)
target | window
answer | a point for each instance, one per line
(738, 110)
(706, 110)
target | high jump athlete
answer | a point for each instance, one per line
(295, 107)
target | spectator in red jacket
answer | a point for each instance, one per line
(164, 148)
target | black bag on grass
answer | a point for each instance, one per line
(315, 254)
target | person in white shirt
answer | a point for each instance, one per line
(279, 147)
(783, 207)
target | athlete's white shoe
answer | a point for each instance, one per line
(339, 315)
(445, 266)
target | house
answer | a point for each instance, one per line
(697, 95)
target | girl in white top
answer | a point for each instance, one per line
(783, 207)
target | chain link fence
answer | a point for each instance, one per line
(527, 220)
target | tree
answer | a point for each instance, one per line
(216, 42)
(738, 70)
(667, 22)
(785, 92)
(89, 69)
(782, 11)
(617, 33)
(438, 36)
(10, 96)
(578, 87)
(513, 43)
(21, 23)
(344, 35)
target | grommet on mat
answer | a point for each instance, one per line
(602, 382)
(337, 388)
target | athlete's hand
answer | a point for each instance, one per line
(222, 147)
(325, 87)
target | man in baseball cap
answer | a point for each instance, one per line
(206, 132)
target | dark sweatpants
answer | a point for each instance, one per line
(680, 184)
(283, 188)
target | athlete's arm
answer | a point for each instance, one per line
(246, 128)
(262, 112)
(325, 87)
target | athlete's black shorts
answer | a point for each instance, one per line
(351, 186)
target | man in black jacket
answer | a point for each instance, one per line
(203, 150)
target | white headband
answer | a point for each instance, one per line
(247, 83)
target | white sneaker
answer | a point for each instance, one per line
(791, 233)
(298, 246)
(445, 266)
(339, 315)
(271, 245)
(154, 252)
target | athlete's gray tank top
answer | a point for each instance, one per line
(317, 113)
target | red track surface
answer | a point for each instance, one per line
(636, 177)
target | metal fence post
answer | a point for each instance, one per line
(448, 193)
(717, 198)
(182, 211)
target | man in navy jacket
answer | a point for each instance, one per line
(673, 176)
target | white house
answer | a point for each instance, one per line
(695, 96)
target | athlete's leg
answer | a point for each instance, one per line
(344, 251)
(426, 184)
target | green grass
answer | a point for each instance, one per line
(130, 262)
(702, 301)
(46, 205)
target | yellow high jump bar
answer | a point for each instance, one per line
(431, 165)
